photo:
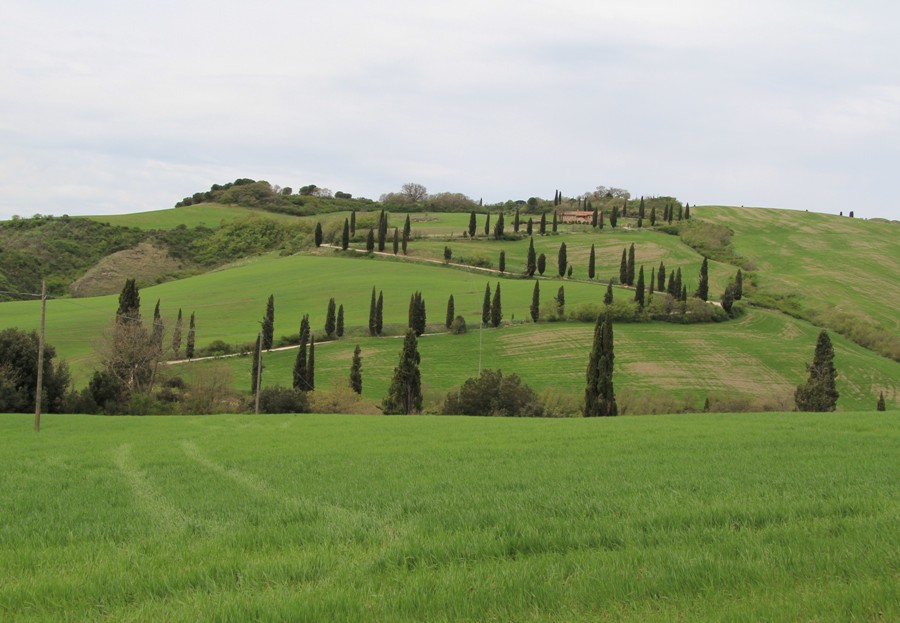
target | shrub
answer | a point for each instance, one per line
(458, 326)
(491, 393)
(282, 400)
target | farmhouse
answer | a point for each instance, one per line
(577, 216)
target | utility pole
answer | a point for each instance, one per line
(40, 362)
(258, 368)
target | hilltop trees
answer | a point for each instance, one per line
(405, 393)
(819, 393)
(599, 395)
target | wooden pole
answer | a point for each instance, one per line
(40, 362)
(258, 369)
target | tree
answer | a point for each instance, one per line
(405, 393)
(608, 297)
(370, 241)
(652, 283)
(345, 236)
(18, 374)
(562, 261)
(382, 231)
(819, 393)
(129, 303)
(880, 406)
(417, 313)
(555, 220)
(339, 329)
(404, 241)
(535, 302)
(600, 222)
(300, 363)
(639, 289)
(630, 266)
(703, 286)
(191, 339)
(543, 225)
(268, 324)
(652, 216)
(311, 366)
(623, 268)
(599, 395)
(330, 321)
(614, 217)
(499, 228)
(679, 286)
(541, 264)
(502, 263)
(396, 241)
(448, 254)
(451, 312)
(158, 328)
(255, 371)
(687, 211)
(372, 305)
(496, 309)
(379, 314)
(492, 394)
(592, 259)
(413, 192)
(472, 224)
(738, 285)
(561, 301)
(486, 306)
(352, 223)
(318, 234)
(176, 334)
(641, 209)
(661, 277)
(594, 218)
(487, 224)
(356, 371)
(728, 298)
(407, 232)
(531, 262)
(529, 227)
(516, 221)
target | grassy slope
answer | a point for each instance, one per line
(311, 518)
(207, 214)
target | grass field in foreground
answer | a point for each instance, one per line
(778, 517)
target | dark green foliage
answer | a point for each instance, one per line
(282, 400)
(451, 312)
(599, 395)
(679, 286)
(529, 227)
(486, 306)
(561, 301)
(257, 361)
(448, 254)
(630, 265)
(592, 261)
(738, 285)
(458, 326)
(493, 394)
(543, 225)
(417, 313)
(372, 305)
(487, 224)
(268, 324)
(652, 216)
(728, 298)
(600, 222)
(18, 374)
(317, 237)
(405, 393)
(614, 217)
(652, 283)
(158, 329)
(472, 224)
(191, 338)
(535, 302)
(531, 262)
(129, 303)
(516, 222)
(683, 294)
(670, 287)
(356, 371)
(299, 381)
(396, 241)
(594, 218)
(499, 230)
(345, 235)
(641, 209)
(623, 268)
(880, 406)
(352, 223)
(379, 314)
(407, 229)
(339, 328)
(661, 277)
(502, 263)
(176, 334)
(382, 230)
(311, 366)
(370, 241)
(404, 241)
(330, 320)
(569, 271)
(496, 308)
(562, 261)
(639, 289)
(819, 393)
(687, 211)
(541, 264)
(680, 213)
(555, 221)
(608, 297)
(703, 286)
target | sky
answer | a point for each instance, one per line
(112, 107)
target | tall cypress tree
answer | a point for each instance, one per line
(176, 334)
(683, 294)
(541, 264)
(623, 268)
(405, 393)
(191, 338)
(661, 277)
(268, 324)
(379, 314)
(738, 285)
(614, 217)
(372, 314)
(543, 225)
(472, 224)
(652, 216)
(352, 223)
(407, 230)
(554, 221)
(652, 282)
(330, 320)
(880, 405)
(339, 328)
(630, 266)
(496, 308)
(502, 263)
(600, 222)
(356, 371)
(703, 286)
(594, 218)
(318, 236)
(516, 222)
(345, 236)
(451, 312)
(670, 287)
(639, 289)
(396, 241)
(299, 374)
(404, 241)
(727, 299)
(382, 230)
(529, 226)
(311, 366)
(599, 395)
(129, 304)
(561, 301)
(562, 261)
(499, 228)
(158, 329)
(641, 208)
(370, 241)
(531, 262)
(535, 308)
(487, 224)
(819, 393)
(254, 372)
(486, 306)
(592, 259)
(687, 211)
(679, 286)
(608, 297)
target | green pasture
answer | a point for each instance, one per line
(760, 358)
(205, 214)
(753, 517)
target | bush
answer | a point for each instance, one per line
(458, 326)
(493, 394)
(282, 400)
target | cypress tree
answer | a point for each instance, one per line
(630, 266)
(176, 334)
(318, 234)
(599, 395)
(671, 214)
(880, 406)
(330, 320)
(496, 309)
(679, 213)
(370, 241)
(268, 324)
(614, 217)
(417, 313)
(738, 285)
(339, 329)
(569, 271)
(158, 329)
(562, 261)
(352, 223)
(623, 268)
(652, 282)
(641, 210)
(472, 224)
(639, 289)
(543, 225)
(487, 224)
(652, 216)
(819, 393)
(356, 371)
(516, 222)
(404, 241)
(407, 229)
(531, 262)
(451, 312)
(529, 226)
(311, 366)
(486, 306)
(499, 228)
(728, 298)
(624, 208)
(640, 222)
(608, 297)
(592, 259)
(554, 221)
(379, 314)
(448, 254)
(561, 301)
(541, 264)
(670, 288)
(382, 230)
(405, 393)
(254, 372)
(679, 287)
(687, 211)
(396, 241)
(535, 308)
(594, 218)
(502, 263)
(703, 286)
(684, 294)
(372, 314)
(345, 236)
(191, 336)
(661, 277)
(299, 375)
(129, 304)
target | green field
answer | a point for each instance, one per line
(777, 517)
(205, 214)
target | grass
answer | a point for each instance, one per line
(311, 518)
(760, 357)
(207, 215)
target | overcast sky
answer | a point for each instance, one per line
(110, 106)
